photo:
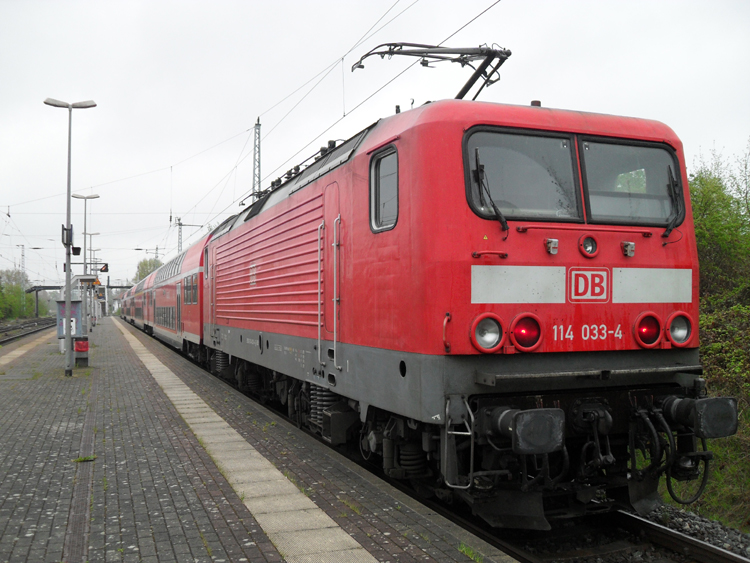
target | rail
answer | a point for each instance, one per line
(680, 543)
(14, 332)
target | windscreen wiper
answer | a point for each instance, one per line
(481, 178)
(675, 196)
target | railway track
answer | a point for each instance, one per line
(692, 548)
(616, 537)
(11, 332)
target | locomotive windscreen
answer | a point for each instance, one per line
(628, 183)
(533, 176)
(525, 176)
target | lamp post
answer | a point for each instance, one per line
(85, 313)
(68, 236)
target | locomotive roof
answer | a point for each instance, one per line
(465, 114)
(468, 114)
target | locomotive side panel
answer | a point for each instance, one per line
(267, 274)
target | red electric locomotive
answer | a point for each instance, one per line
(497, 302)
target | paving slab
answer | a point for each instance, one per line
(152, 493)
(292, 521)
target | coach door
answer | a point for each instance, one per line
(178, 310)
(211, 269)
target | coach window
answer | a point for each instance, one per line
(384, 190)
(195, 288)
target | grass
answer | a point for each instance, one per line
(354, 507)
(268, 425)
(470, 552)
(304, 490)
(84, 459)
(205, 543)
(725, 355)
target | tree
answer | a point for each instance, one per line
(14, 303)
(721, 212)
(145, 267)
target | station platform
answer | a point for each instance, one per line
(143, 456)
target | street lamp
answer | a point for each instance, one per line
(85, 313)
(68, 233)
(155, 251)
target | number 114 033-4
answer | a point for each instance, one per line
(587, 332)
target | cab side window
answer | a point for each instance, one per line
(384, 190)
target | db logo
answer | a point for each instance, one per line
(588, 285)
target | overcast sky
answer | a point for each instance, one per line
(179, 85)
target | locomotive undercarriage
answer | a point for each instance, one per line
(517, 461)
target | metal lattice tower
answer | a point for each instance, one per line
(256, 160)
(23, 257)
(180, 224)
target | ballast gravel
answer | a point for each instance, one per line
(703, 529)
(641, 551)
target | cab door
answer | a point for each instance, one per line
(331, 275)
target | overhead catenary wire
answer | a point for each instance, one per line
(325, 72)
(360, 104)
(317, 80)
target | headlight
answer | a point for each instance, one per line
(679, 329)
(588, 246)
(487, 333)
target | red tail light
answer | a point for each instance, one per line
(526, 333)
(648, 330)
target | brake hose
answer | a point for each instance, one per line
(704, 481)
